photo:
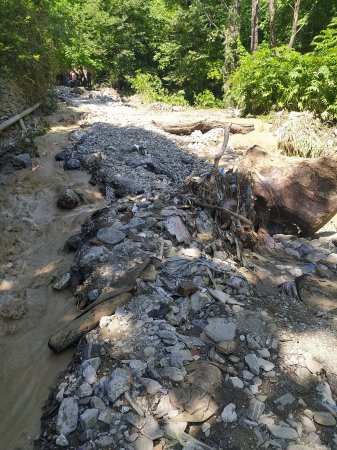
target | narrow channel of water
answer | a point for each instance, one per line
(33, 231)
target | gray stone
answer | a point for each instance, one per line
(61, 441)
(204, 223)
(89, 418)
(72, 164)
(228, 414)
(135, 419)
(286, 399)
(169, 337)
(324, 418)
(178, 358)
(106, 416)
(198, 301)
(150, 385)
(137, 367)
(109, 235)
(89, 374)
(263, 353)
(253, 363)
(173, 373)
(67, 417)
(62, 282)
(92, 255)
(247, 375)
(105, 441)
(94, 362)
(97, 403)
(84, 390)
(236, 382)
(255, 409)
(93, 295)
(23, 161)
(143, 443)
(282, 432)
(119, 382)
(151, 429)
(267, 366)
(69, 199)
(219, 329)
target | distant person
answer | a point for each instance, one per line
(73, 79)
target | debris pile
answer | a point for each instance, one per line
(193, 353)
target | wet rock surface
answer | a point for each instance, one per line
(207, 353)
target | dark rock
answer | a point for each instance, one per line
(186, 288)
(72, 164)
(69, 199)
(62, 155)
(73, 243)
(23, 161)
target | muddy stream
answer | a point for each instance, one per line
(33, 232)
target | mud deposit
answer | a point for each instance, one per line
(33, 231)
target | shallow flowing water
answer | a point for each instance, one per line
(33, 231)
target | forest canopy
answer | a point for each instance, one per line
(258, 55)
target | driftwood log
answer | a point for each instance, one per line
(203, 126)
(294, 191)
(77, 328)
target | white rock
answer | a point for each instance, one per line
(89, 418)
(152, 386)
(228, 414)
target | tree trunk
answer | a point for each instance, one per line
(255, 26)
(294, 29)
(272, 12)
(80, 326)
(203, 126)
(292, 192)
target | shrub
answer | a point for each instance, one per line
(292, 81)
(206, 99)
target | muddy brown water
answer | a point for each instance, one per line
(33, 231)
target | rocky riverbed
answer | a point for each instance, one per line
(207, 353)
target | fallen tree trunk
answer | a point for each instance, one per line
(72, 332)
(203, 126)
(292, 191)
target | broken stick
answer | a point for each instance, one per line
(228, 211)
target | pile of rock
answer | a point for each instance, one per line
(197, 357)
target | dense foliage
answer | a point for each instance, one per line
(178, 51)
